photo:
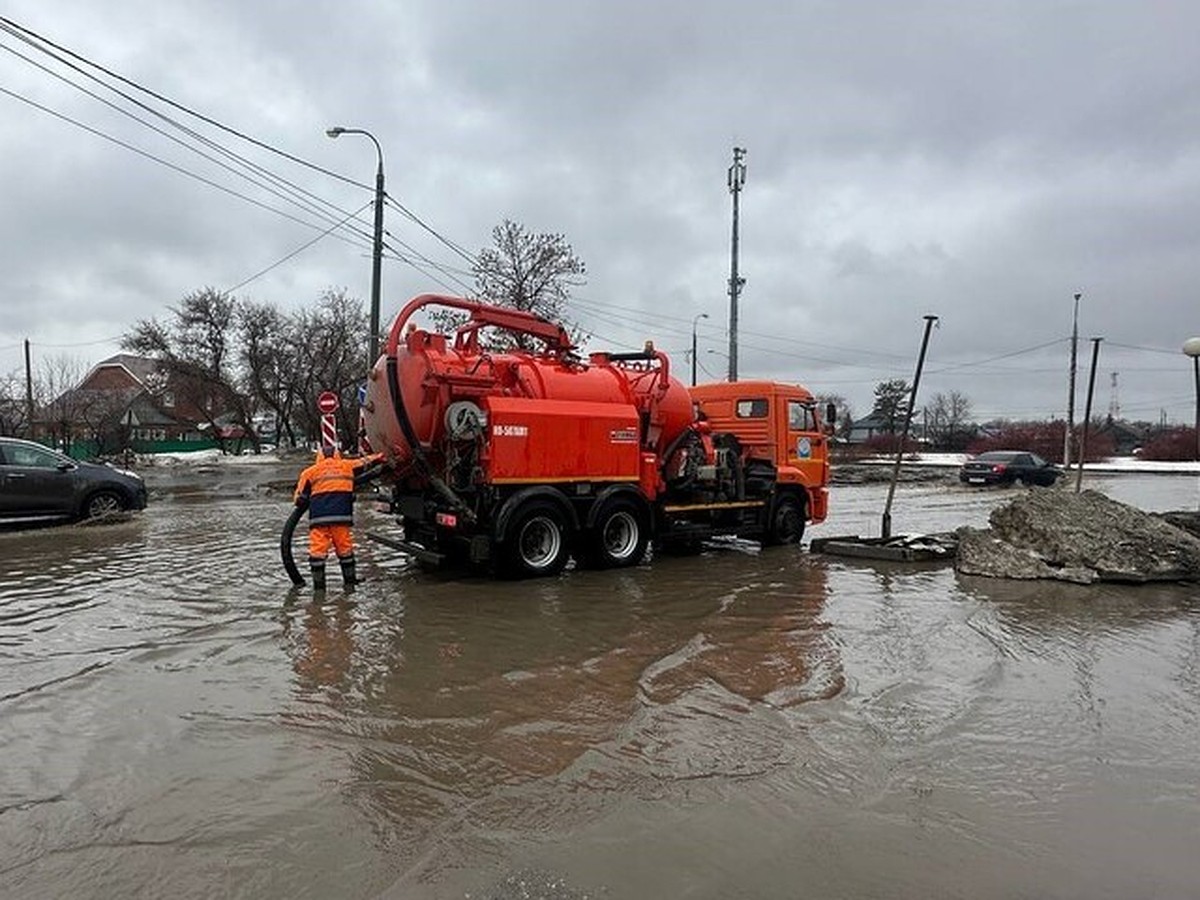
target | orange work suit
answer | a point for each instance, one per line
(327, 486)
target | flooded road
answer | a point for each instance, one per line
(175, 721)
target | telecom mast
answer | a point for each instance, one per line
(736, 178)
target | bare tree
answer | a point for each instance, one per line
(948, 421)
(14, 411)
(845, 415)
(523, 270)
(60, 406)
(269, 362)
(328, 345)
(197, 349)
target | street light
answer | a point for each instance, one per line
(695, 319)
(377, 249)
(1192, 348)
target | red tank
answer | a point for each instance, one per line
(429, 387)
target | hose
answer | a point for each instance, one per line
(285, 542)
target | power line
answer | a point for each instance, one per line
(294, 193)
(294, 253)
(162, 99)
(140, 152)
(452, 245)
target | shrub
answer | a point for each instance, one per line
(1043, 438)
(1175, 444)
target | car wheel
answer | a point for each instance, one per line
(102, 504)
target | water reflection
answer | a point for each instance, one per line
(175, 721)
(598, 680)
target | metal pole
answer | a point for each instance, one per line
(1196, 376)
(912, 402)
(1191, 347)
(736, 177)
(376, 261)
(29, 394)
(696, 318)
(1071, 388)
(1087, 414)
(377, 242)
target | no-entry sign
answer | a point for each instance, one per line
(327, 402)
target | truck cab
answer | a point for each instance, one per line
(777, 424)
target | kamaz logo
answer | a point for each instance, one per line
(511, 431)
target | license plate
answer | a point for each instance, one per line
(975, 480)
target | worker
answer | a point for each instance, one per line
(327, 489)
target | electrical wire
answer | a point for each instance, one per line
(169, 102)
(294, 253)
(291, 192)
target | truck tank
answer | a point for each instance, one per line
(427, 386)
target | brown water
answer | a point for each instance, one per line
(174, 721)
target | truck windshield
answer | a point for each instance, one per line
(801, 416)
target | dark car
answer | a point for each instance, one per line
(1008, 467)
(38, 483)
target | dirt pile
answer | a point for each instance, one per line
(1082, 538)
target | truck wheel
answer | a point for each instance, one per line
(537, 543)
(619, 539)
(786, 525)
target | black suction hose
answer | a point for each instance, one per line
(285, 542)
(414, 445)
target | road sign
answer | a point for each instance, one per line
(329, 436)
(362, 394)
(327, 402)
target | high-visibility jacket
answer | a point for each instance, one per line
(329, 486)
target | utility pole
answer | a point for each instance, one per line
(886, 524)
(28, 393)
(736, 177)
(1071, 388)
(1087, 413)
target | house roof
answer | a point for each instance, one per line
(140, 367)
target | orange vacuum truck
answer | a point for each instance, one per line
(516, 461)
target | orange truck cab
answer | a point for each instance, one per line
(778, 423)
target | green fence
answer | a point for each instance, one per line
(81, 449)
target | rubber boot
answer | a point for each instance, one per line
(317, 567)
(349, 578)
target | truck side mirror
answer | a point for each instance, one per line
(830, 414)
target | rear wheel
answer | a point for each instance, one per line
(536, 542)
(786, 525)
(619, 539)
(102, 504)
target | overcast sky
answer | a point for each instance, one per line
(982, 162)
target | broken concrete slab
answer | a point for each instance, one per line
(1081, 538)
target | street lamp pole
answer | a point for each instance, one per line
(377, 246)
(1067, 435)
(695, 319)
(1192, 348)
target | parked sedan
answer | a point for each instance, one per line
(37, 483)
(1007, 467)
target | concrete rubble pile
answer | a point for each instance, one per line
(1081, 538)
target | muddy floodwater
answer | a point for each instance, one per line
(176, 721)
